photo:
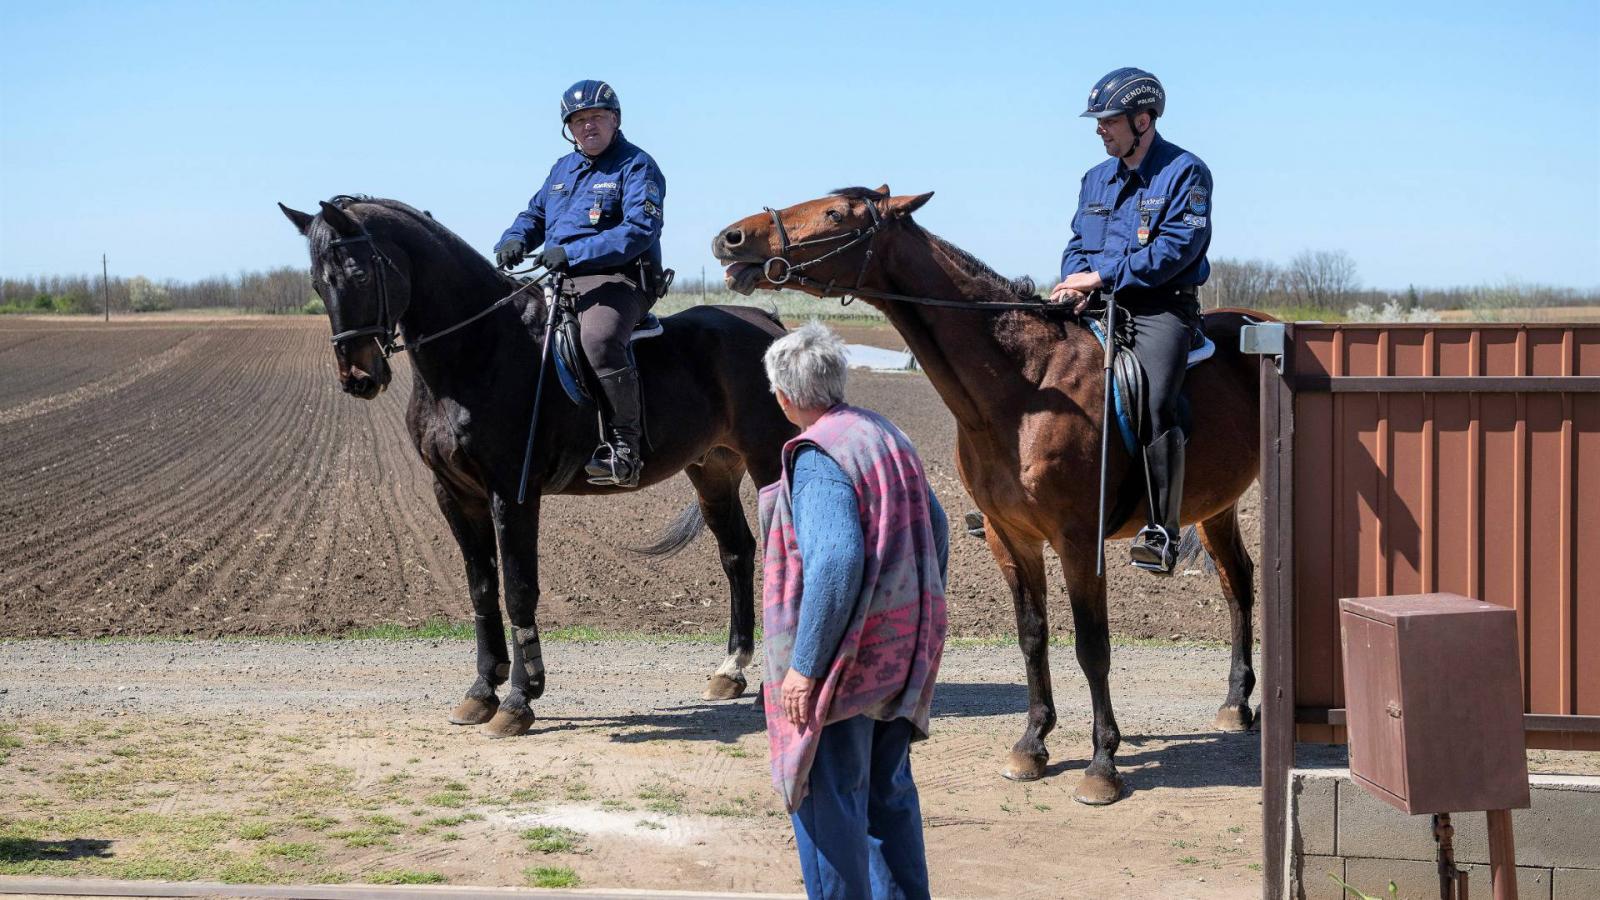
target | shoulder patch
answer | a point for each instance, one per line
(1194, 220)
(1199, 200)
(651, 189)
(651, 209)
(559, 186)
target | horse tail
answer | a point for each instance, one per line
(1190, 550)
(678, 534)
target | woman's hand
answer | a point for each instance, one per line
(795, 693)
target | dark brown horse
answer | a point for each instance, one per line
(382, 267)
(1025, 389)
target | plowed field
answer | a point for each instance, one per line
(171, 475)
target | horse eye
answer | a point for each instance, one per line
(360, 276)
(835, 216)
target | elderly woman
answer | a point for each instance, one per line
(854, 617)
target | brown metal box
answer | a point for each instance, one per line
(1433, 698)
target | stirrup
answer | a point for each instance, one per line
(614, 465)
(1155, 550)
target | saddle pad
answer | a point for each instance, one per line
(648, 327)
(1127, 418)
(1199, 353)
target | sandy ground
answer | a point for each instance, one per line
(120, 752)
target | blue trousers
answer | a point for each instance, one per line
(859, 830)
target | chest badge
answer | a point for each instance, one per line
(1144, 229)
(594, 213)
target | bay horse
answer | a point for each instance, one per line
(386, 270)
(1024, 383)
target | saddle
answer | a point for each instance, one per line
(1128, 386)
(577, 377)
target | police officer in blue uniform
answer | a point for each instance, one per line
(1141, 230)
(598, 216)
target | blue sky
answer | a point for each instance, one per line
(1437, 143)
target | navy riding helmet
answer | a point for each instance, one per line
(588, 94)
(1126, 92)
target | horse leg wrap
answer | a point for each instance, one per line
(532, 654)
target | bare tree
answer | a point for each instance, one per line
(1248, 283)
(1322, 279)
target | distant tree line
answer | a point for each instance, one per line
(1326, 281)
(282, 290)
(1313, 282)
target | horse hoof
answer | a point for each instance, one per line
(1234, 719)
(724, 687)
(472, 711)
(1098, 790)
(1025, 766)
(507, 724)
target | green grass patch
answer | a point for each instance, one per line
(1305, 314)
(1066, 639)
(737, 808)
(255, 831)
(248, 871)
(548, 839)
(314, 821)
(550, 877)
(404, 876)
(662, 798)
(452, 821)
(448, 799)
(431, 629)
(299, 852)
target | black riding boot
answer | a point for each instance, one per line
(618, 463)
(1155, 547)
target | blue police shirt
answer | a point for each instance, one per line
(605, 212)
(1168, 196)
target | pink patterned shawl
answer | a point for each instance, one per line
(888, 659)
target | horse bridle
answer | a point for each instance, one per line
(386, 330)
(788, 269)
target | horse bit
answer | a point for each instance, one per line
(788, 269)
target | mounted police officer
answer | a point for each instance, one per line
(598, 216)
(1141, 230)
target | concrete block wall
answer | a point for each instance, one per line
(1337, 827)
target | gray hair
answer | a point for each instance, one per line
(809, 366)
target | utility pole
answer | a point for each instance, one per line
(702, 285)
(105, 286)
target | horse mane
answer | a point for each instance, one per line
(1006, 289)
(399, 212)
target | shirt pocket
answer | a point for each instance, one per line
(1092, 227)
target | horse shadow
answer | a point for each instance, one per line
(15, 850)
(1181, 759)
(721, 723)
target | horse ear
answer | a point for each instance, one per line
(301, 220)
(883, 189)
(339, 220)
(900, 207)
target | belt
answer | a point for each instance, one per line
(1184, 290)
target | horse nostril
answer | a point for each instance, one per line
(734, 237)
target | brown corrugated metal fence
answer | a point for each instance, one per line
(1402, 459)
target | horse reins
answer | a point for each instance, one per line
(789, 270)
(385, 330)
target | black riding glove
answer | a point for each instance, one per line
(508, 254)
(554, 257)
